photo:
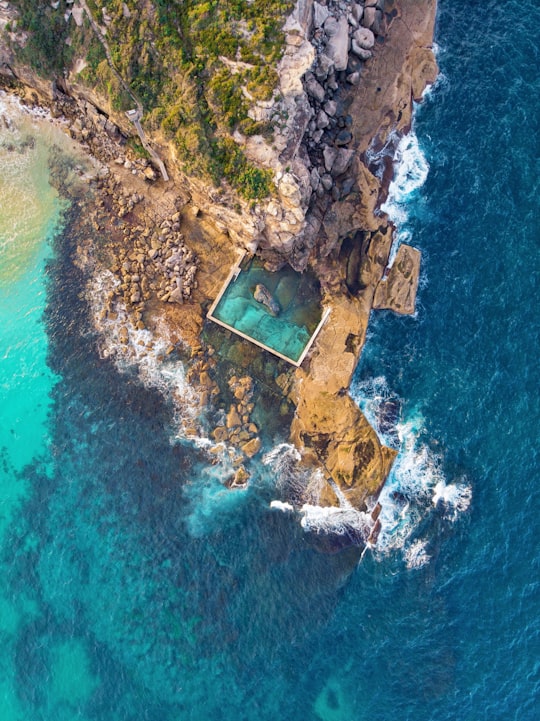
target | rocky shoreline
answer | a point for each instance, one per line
(168, 247)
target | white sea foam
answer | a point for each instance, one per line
(416, 555)
(416, 486)
(410, 172)
(336, 521)
(280, 506)
(143, 352)
(296, 482)
(454, 498)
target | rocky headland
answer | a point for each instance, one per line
(347, 79)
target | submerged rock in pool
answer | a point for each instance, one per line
(263, 295)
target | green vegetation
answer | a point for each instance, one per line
(195, 66)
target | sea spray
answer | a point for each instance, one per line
(139, 350)
(410, 173)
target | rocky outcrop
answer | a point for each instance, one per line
(397, 291)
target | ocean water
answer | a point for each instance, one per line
(134, 586)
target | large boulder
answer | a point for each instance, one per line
(338, 41)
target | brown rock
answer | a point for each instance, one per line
(397, 292)
(233, 419)
(251, 448)
(220, 434)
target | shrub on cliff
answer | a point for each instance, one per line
(193, 65)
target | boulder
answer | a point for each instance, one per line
(320, 15)
(330, 108)
(262, 295)
(314, 88)
(322, 120)
(364, 38)
(360, 52)
(369, 17)
(357, 11)
(342, 161)
(329, 155)
(251, 448)
(338, 42)
(233, 419)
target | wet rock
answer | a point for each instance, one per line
(397, 292)
(233, 419)
(220, 434)
(262, 295)
(251, 448)
(344, 137)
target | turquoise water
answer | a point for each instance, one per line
(135, 587)
(298, 308)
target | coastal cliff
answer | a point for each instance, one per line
(313, 150)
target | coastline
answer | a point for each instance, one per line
(160, 221)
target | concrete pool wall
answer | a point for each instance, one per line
(286, 335)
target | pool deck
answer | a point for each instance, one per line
(233, 275)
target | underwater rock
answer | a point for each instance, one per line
(262, 295)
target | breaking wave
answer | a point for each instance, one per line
(416, 487)
(141, 351)
(410, 172)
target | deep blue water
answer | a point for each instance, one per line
(134, 588)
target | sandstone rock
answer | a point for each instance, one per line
(354, 78)
(251, 448)
(240, 478)
(233, 419)
(220, 434)
(397, 292)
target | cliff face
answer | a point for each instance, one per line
(343, 75)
